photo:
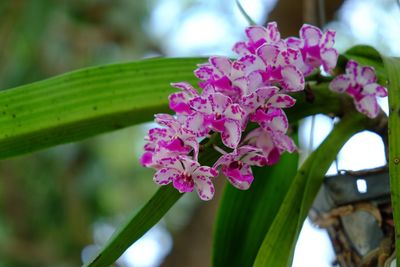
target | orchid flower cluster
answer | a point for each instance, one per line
(253, 88)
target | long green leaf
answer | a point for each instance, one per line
(87, 102)
(245, 216)
(278, 245)
(392, 66)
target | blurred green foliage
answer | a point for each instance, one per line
(49, 200)
(40, 38)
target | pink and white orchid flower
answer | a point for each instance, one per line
(360, 83)
(236, 166)
(272, 143)
(172, 140)
(185, 174)
(316, 47)
(258, 36)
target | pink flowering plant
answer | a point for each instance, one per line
(361, 84)
(254, 89)
(223, 118)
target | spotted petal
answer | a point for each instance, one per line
(353, 69)
(261, 116)
(269, 54)
(183, 185)
(186, 87)
(204, 186)
(240, 179)
(368, 106)
(155, 134)
(196, 124)
(240, 48)
(192, 142)
(165, 176)
(201, 104)
(234, 112)
(281, 101)
(310, 34)
(294, 57)
(284, 142)
(328, 39)
(188, 165)
(250, 63)
(255, 80)
(367, 75)
(273, 34)
(168, 121)
(263, 139)
(375, 89)
(292, 79)
(224, 160)
(251, 102)
(146, 159)
(340, 84)
(256, 34)
(267, 92)
(232, 133)
(293, 42)
(329, 58)
(222, 64)
(256, 99)
(204, 71)
(205, 171)
(279, 122)
(253, 156)
(219, 102)
(178, 102)
(273, 119)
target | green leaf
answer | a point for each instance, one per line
(392, 66)
(245, 216)
(278, 245)
(84, 103)
(88, 102)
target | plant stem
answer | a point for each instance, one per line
(392, 65)
(137, 226)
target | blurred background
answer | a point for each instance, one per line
(58, 206)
